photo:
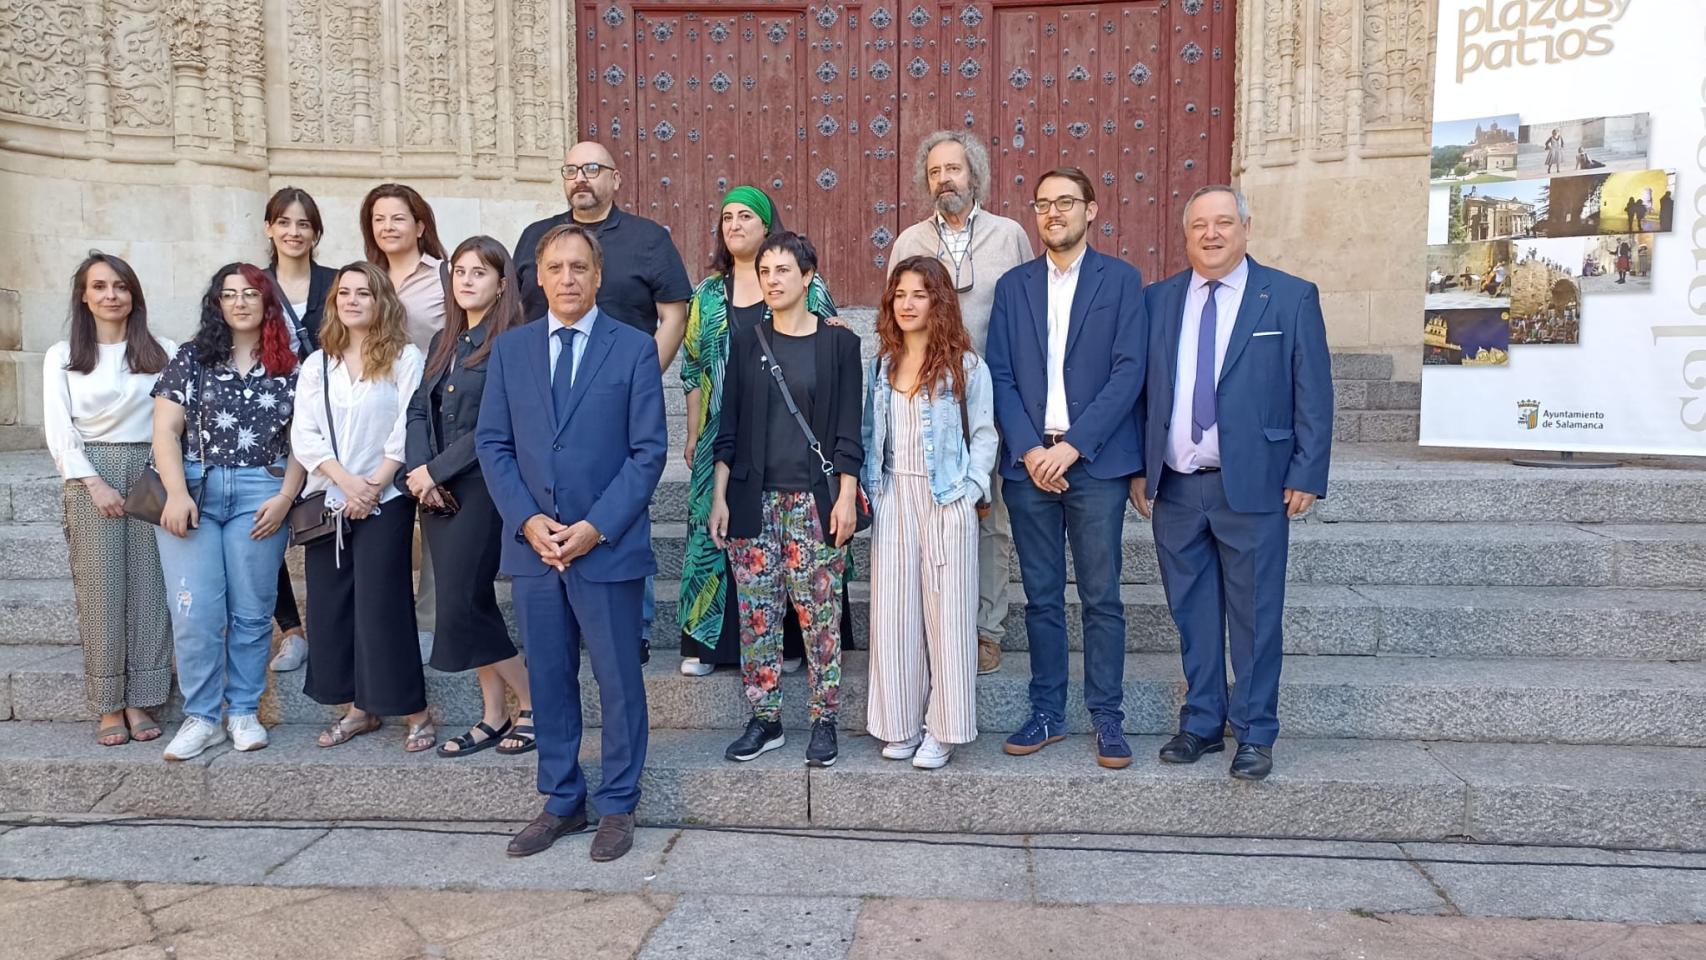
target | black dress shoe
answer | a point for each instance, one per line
(1189, 748)
(545, 830)
(614, 838)
(1252, 762)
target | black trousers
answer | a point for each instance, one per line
(284, 611)
(361, 614)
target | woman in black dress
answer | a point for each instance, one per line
(458, 519)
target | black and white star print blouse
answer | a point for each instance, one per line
(246, 422)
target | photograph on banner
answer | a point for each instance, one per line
(1642, 201)
(1469, 275)
(1467, 338)
(1592, 145)
(1621, 263)
(1546, 297)
(1478, 150)
(1486, 211)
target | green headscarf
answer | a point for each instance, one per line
(754, 199)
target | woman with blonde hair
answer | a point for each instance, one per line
(349, 434)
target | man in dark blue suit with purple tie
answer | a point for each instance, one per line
(1239, 428)
(572, 442)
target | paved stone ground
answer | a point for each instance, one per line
(151, 890)
(1462, 300)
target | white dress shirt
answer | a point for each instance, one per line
(1183, 454)
(109, 404)
(1062, 285)
(371, 416)
(583, 326)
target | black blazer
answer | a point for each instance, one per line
(837, 409)
(320, 280)
(441, 435)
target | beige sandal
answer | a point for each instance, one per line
(341, 732)
(422, 736)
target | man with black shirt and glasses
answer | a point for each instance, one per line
(977, 246)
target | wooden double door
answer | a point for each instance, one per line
(823, 106)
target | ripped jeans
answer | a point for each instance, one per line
(221, 586)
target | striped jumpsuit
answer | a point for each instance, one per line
(923, 595)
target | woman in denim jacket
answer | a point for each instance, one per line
(930, 442)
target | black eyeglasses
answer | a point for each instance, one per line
(1063, 204)
(592, 170)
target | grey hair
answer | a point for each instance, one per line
(1237, 198)
(977, 158)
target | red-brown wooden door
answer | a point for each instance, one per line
(823, 105)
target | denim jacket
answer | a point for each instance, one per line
(955, 471)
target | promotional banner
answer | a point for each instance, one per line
(1566, 262)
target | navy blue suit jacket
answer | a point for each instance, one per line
(1274, 399)
(599, 463)
(1107, 336)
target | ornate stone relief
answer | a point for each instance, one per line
(42, 56)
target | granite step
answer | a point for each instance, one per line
(1598, 623)
(1647, 797)
(1375, 698)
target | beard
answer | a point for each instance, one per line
(1066, 240)
(952, 201)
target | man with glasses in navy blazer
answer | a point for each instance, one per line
(1239, 421)
(1067, 336)
(572, 442)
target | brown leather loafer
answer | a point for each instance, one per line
(545, 830)
(615, 837)
(988, 656)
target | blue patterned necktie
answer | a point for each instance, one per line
(563, 379)
(1202, 396)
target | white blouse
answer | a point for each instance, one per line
(371, 417)
(109, 404)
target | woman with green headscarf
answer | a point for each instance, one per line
(726, 301)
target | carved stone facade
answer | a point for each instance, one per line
(156, 129)
(1334, 101)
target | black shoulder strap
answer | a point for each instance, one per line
(769, 359)
(326, 396)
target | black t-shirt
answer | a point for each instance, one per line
(789, 464)
(745, 318)
(642, 268)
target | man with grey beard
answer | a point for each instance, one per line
(977, 246)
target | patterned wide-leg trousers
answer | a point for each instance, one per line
(121, 596)
(924, 608)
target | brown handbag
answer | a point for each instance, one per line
(146, 499)
(309, 520)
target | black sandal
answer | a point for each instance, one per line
(466, 743)
(522, 729)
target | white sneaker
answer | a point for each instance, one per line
(246, 732)
(292, 653)
(425, 638)
(193, 737)
(901, 749)
(932, 755)
(694, 667)
(789, 666)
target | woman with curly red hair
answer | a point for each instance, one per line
(222, 412)
(930, 442)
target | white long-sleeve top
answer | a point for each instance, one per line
(371, 417)
(109, 404)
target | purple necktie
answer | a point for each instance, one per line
(1202, 396)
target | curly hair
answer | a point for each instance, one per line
(977, 162)
(949, 341)
(387, 334)
(213, 341)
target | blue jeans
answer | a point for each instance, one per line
(221, 586)
(1090, 516)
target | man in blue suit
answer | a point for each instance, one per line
(572, 442)
(1067, 336)
(1239, 416)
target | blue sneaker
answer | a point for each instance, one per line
(1036, 734)
(1112, 751)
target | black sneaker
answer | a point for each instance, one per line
(821, 752)
(760, 738)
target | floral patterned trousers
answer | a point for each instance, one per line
(789, 562)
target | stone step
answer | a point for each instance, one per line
(1375, 698)
(1594, 623)
(1460, 554)
(1376, 426)
(1646, 797)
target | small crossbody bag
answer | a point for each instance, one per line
(146, 499)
